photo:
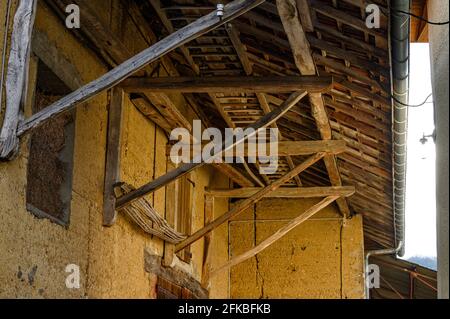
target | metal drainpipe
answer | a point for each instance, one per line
(388, 251)
(399, 32)
(399, 41)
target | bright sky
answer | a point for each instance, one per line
(420, 192)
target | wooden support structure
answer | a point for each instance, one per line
(305, 63)
(277, 235)
(17, 76)
(209, 216)
(285, 148)
(236, 210)
(284, 192)
(112, 175)
(225, 84)
(161, 181)
(151, 54)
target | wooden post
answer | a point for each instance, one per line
(149, 55)
(112, 173)
(279, 234)
(161, 181)
(236, 210)
(209, 215)
(17, 76)
(171, 211)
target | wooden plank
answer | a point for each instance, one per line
(112, 169)
(17, 76)
(284, 192)
(227, 84)
(340, 67)
(290, 148)
(370, 49)
(342, 16)
(151, 54)
(305, 63)
(264, 121)
(147, 109)
(236, 210)
(209, 216)
(296, 36)
(277, 235)
(305, 15)
(171, 211)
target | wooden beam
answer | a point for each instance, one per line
(236, 210)
(17, 76)
(289, 148)
(277, 235)
(225, 84)
(296, 36)
(112, 170)
(151, 54)
(305, 63)
(149, 111)
(161, 181)
(284, 192)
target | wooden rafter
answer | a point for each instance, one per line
(118, 74)
(241, 51)
(305, 63)
(186, 168)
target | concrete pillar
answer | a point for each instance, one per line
(438, 11)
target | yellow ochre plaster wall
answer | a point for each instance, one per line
(321, 258)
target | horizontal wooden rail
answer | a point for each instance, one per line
(284, 192)
(284, 148)
(223, 84)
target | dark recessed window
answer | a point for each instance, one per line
(50, 162)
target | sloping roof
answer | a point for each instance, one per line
(358, 106)
(401, 279)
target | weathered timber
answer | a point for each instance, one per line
(285, 192)
(226, 84)
(236, 210)
(112, 169)
(118, 74)
(264, 121)
(17, 76)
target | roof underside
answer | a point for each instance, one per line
(358, 106)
